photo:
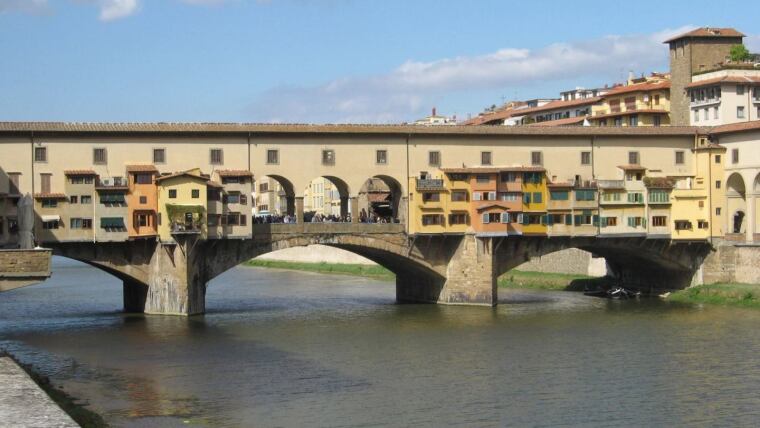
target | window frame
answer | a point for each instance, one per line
(95, 151)
(328, 157)
(43, 151)
(273, 157)
(211, 152)
(381, 160)
(162, 150)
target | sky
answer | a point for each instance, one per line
(326, 61)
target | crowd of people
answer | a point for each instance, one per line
(311, 217)
(274, 218)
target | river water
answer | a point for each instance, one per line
(291, 349)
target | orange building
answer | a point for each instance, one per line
(142, 201)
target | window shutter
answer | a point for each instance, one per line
(525, 219)
(596, 220)
(477, 196)
(578, 220)
(604, 221)
(485, 218)
(631, 222)
(520, 218)
(526, 198)
(505, 217)
(491, 196)
(568, 219)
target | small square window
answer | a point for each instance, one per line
(536, 158)
(734, 156)
(585, 158)
(381, 157)
(740, 112)
(717, 158)
(633, 158)
(195, 193)
(143, 200)
(40, 154)
(99, 156)
(159, 155)
(217, 156)
(172, 193)
(434, 158)
(328, 157)
(485, 158)
(717, 184)
(679, 157)
(273, 157)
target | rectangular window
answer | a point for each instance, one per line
(717, 184)
(459, 218)
(381, 157)
(508, 177)
(635, 221)
(49, 203)
(234, 198)
(143, 200)
(717, 159)
(585, 195)
(328, 157)
(485, 158)
(434, 158)
(740, 112)
(45, 183)
(683, 225)
(73, 199)
(99, 156)
(40, 154)
(739, 89)
(509, 196)
(734, 156)
(142, 220)
(559, 195)
(482, 178)
(85, 199)
(13, 180)
(656, 120)
(143, 178)
(635, 198)
(618, 121)
(706, 113)
(536, 158)
(702, 224)
(216, 156)
(432, 219)
(633, 158)
(537, 197)
(609, 221)
(659, 221)
(47, 225)
(159, 155)
(172, 193)
(459, 196)
(659, 196)
(86, 223)
(696, 115)
(633, 120)
(585, 158)
(263, 187)
(195, 193)
(273, 156)
(679, 157)
(526, 198)
(431, 197)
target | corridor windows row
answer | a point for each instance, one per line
(80, 199)
(440, 219)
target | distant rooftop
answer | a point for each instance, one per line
(710, 32)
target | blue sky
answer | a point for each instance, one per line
(324, 61)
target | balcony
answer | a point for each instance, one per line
(705, 102)
(186, 228)
(611, 184)
(429, 184)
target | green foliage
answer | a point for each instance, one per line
(726, 294)
(370, 271)
(739, 53)
(177, 212)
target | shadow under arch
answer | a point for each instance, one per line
(641, 262)
(736, 201)
(290, 195)
(398, 211)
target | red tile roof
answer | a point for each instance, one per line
(50, 196)
(79, 172)
(637, 87)
(724, 79)
(235, 173)
(736, 127)
(180, 174)
(559, 104)
(629, 112)
(142, 168)
(707, 32)
(561, 122)
(493, 205)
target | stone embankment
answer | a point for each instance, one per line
(24, 404)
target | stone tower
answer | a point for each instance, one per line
(698, 50)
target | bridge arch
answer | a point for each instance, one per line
(736, 204)
(321, 198)
(383, 195)
(290, 194)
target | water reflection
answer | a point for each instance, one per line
(289, 349)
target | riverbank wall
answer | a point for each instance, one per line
(23, 403)
(731, 263)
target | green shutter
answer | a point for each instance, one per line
(578, 220)
(596, 220)
(505, 217)
(537, 197)
(526, 198)
(525, 219)
(485, 218)
(568, 219)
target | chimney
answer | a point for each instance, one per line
(433, 111)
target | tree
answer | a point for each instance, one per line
(739, 53)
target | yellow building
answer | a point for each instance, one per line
(534, 202)
(441, 204)
(642, 102)
(182, 205)
(698, 201)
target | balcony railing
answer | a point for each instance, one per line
(611, 184)
(186, 228)
(429, 184)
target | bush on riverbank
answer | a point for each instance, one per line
(550, 281)
(727, 294)
(371, 271)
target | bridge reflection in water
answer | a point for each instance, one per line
(171, 278)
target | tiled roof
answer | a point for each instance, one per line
(492, 205)
(492, 169)
(560, 185)
(627, 113)
(707, 32)
(561, 122)
(724, 79)
(142, 168)
(214, 184)
(79, 172)
(269, 129)
(559, 104)
(637, 87)
(180, 174)
(736, 127)
(50, 196)
(235, 173)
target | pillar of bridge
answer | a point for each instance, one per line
(750, 218)
(354, 209)
(470, 277)
(135, 293)
(299, 209)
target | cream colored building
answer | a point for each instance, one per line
(724, 96)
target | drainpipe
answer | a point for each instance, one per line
(31, 142)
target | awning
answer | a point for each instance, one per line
(50, 217)
(111, 222)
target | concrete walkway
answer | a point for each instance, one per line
(23, 404)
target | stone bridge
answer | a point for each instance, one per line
(164, 278)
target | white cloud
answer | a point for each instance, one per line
(28, 6)
(403, 93)
(116, 9)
